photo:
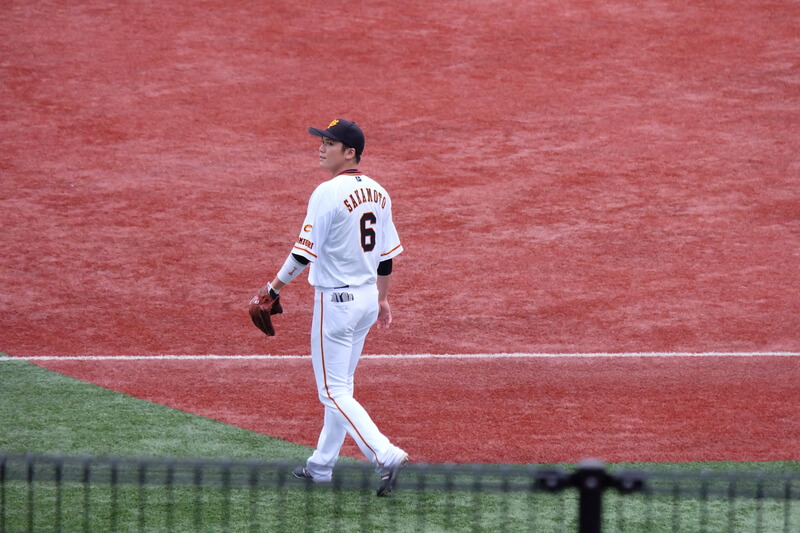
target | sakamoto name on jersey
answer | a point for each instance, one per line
(361, 195)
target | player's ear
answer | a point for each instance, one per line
(350, 153)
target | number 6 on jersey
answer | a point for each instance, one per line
(367, 233)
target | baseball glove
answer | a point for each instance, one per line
(262, 307)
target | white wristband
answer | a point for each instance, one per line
(290, 269)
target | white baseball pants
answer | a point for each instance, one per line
(342, 319)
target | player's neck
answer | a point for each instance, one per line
(348, 168)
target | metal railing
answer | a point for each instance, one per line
(53, 493)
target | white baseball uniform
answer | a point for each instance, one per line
(347, 232)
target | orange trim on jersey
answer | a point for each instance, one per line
(325, 375)
(352, 172)
(305, 250)
(392, 250)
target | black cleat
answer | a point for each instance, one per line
(388, 481)
(301, 473)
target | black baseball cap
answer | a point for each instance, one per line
(343, 131)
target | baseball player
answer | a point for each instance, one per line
(349, 240)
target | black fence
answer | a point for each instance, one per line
(49, 493)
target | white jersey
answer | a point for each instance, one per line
(347, 231)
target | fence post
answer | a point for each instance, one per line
(591, 480)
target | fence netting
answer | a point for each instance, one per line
(54, 493)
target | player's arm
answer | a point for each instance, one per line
(301, 253)
(384, 309)
(294, 264)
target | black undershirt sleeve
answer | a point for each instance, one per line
(300, 259)
(385, 267)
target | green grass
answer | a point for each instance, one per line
(47, 412)
(43, 412)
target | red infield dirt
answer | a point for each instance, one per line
(665, 409)
(587, 176)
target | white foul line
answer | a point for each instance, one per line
(399, 356)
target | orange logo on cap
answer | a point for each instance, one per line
(332, 124)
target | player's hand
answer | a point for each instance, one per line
(262, 307)
(384, 314)
(268, 300)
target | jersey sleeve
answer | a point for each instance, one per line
(391, 240)
(315, 225)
